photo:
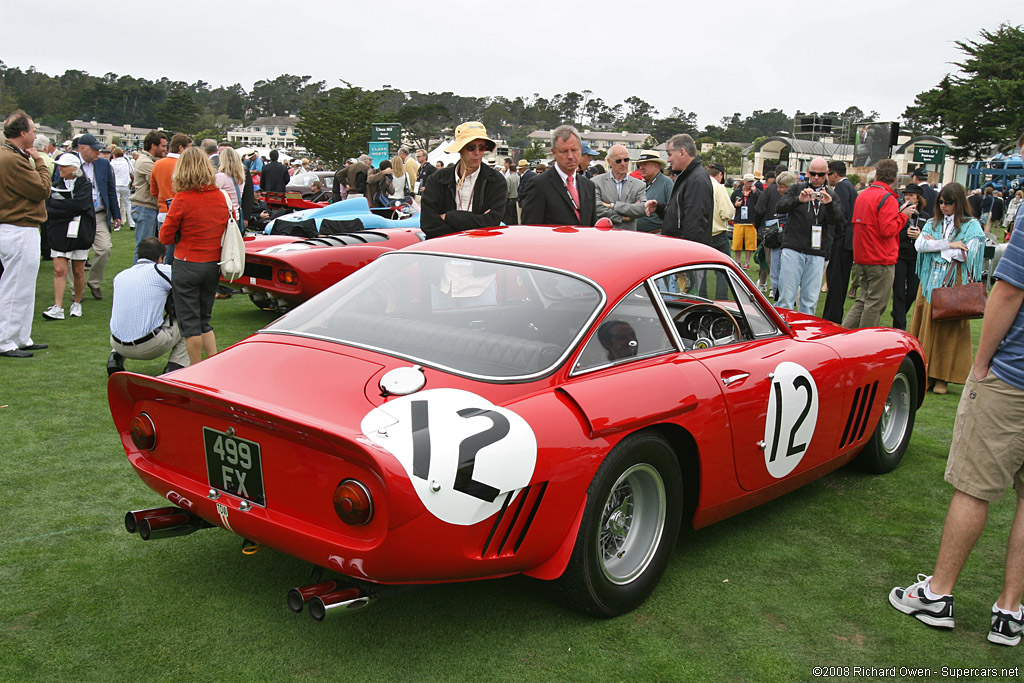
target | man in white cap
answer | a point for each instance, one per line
(658, 186)
(744, 232)
(24, 187)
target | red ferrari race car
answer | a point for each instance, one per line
(555, 402)
(282, 272)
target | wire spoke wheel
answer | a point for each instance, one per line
(896, 414)
(632, 524)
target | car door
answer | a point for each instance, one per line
(783, 395)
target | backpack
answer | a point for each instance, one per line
(232, 247)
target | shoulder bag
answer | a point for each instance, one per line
(959, 301)
(232, 247)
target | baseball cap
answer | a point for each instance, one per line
(69, 160)
(588, 150)
(89, 140)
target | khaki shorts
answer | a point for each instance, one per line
(987, 452)
(744, 237)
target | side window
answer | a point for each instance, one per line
(631, 330)
(711, 307)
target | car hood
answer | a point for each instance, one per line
(808, 326)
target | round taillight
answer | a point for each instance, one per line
(353, 503)
(288, 277)
(143, 432)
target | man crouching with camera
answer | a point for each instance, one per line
(814, 213)
(142, 323)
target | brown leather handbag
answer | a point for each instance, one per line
(959, 302)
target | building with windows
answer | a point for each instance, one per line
(127, 136)
(601, 140)
(271, 132)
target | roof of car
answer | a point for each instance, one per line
(616, 259)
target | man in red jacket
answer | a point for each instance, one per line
(878, 218)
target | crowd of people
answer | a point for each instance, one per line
(875, 244)
(178, 199)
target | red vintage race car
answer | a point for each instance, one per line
(555, 402)
(282, 272)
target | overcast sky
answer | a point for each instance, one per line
(712, 58)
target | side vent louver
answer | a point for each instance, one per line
(513, 521)
(863, 401)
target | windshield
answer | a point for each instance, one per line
(479, 318)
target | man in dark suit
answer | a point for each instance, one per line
(108, 210)
(526, 176)
(275, 174)
(561, 195)
(841, 262)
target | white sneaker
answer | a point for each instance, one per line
(54, 312)
(912, 600)
(76, 310)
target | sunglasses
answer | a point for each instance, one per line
(946, 203)
(476, 148)
(817, 175)
(618, 161)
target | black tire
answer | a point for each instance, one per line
(629, 528)
(891, 437)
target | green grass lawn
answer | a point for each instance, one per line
(768, 595)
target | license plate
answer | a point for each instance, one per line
(234, 465)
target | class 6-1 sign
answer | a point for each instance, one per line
(929, 154)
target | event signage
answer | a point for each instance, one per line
(929, 154)
(386, 131)
(379, 151)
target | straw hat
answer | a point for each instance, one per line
(466, 133)
(651, 156)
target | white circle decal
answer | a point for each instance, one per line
(792, 415)
(464, 455)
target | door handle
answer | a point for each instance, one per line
(735, 378)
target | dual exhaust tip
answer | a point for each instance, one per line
(164, 522)
(327, 599)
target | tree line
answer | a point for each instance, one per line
(334, 122)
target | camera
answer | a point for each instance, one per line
(816, 195)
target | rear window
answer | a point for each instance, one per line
(485, 319)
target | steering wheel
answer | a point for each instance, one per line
(711, 308)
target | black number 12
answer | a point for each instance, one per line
(468, 449)
(792, 449)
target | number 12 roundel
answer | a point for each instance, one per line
(464, 455)
(792, 415)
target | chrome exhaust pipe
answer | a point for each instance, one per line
(132, 518)
(298, 597)
(167, 526)
(338, 602)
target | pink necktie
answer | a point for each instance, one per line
(574, 194)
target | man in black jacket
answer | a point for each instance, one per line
(275, 175)
(466, 195)
(841, 260)
(561, 195)
(688, 212)
(814, 214)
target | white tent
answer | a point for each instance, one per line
(438, 154)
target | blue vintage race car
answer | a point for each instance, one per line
(306, 222)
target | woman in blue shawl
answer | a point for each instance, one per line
(952, 239)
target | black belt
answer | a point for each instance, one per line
(141, 340)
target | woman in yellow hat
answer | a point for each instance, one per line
(469, 194)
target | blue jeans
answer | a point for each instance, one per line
(145, 226)
(800, 271)
(774, 269)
